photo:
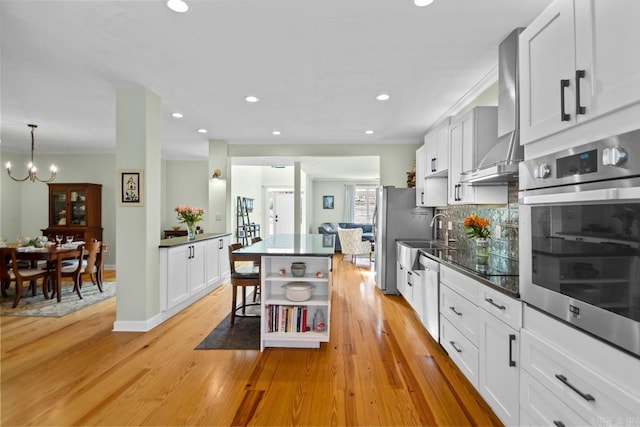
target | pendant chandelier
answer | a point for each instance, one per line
(31, 173)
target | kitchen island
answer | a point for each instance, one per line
(287, 323)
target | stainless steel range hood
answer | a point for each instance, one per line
(500, 164)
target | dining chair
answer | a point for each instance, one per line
(256, 240)
(352, 244)
(242, 277)
(74, 269)
(91, 264)
(21, 274)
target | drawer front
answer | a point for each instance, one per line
(539, 407)
(463, 353)
(580, 387)
(460, 312)
(465, 286)
(505, 308)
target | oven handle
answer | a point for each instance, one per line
(584, 196)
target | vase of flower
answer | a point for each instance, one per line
(482, 250)
(191, 231)
(190, 217)
(478, 228)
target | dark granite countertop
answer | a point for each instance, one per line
(178, 241)
(499, 273)
(321, 245)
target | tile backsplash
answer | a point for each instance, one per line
(504, 243)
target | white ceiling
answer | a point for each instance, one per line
(316, 66)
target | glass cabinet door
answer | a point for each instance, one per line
(59, 208)
(78, 207)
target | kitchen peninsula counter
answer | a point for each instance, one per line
(288, 321)
(308, 245)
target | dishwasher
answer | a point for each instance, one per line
(431, 300)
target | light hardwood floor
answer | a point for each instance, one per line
(380, 368)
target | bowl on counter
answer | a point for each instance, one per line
(298, 269)
(297, 291)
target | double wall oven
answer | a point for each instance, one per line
(580, 237)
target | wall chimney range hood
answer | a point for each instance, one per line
(500, 164)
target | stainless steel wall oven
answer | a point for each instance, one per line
(580, 237)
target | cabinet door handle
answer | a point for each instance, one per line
(490, 301)
(564, 117)
(422, 197)
(512, 338)
(558, 423)
(565, 381)
(433, 164)
(455, 347)
(579, 108)
(455, 311)
(220, 245)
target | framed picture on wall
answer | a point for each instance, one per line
(327, 202)
(130, 187)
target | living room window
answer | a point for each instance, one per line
(364, 204)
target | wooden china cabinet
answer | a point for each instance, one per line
(75, 210)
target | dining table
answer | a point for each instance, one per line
(53, 255)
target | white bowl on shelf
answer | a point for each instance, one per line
(297, 291)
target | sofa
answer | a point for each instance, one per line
(332, 228)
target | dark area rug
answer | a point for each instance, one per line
(243, 335)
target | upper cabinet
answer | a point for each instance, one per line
(437, 154)
(578, 61)
(75, 210)
(421, 159)
(471, 136)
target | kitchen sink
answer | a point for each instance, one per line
(423, 244)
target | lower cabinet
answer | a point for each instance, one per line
(186, 272)
(571, 378)
(499, 367)
(480, 330)
(189, 270)
(218, 268)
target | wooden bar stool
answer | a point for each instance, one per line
(242, 278)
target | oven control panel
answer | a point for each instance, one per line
(609, 158)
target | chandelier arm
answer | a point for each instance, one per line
(16, 179)
(50, 179)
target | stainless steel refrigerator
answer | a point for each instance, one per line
(396, 218)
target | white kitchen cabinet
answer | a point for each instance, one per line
(499, 367)
(401, 278)
(186, 272)
(578, 63)
(218, 268)
(437, 150)
(590, 378)
(480, 330)
(286, 323)
(189, 270)
(462, 351)
(421, 161)
(471, 136)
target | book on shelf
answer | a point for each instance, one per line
(286, 318)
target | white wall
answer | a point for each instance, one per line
(187, 183)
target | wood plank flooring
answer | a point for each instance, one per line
(380, 368)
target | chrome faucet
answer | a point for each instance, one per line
(433, 221)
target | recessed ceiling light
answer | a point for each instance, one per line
(422, 3)
(276, 132)
(202, 130)
(382, 97)
(368, 132)
(179, 6)
(177, 115)
(252, 98)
